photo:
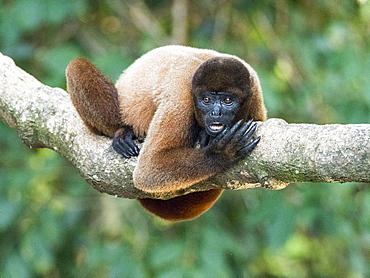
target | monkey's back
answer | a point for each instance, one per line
(160, 78)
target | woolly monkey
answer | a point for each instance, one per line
(193, 107)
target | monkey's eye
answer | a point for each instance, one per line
(206, 100)
(228, 101)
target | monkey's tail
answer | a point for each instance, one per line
(183, 207)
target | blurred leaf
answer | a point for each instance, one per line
(55, 62)
(34, 249)
(15, 267)
(30, 13)
(282, 226)
(166, 254)
(9, 210)
(112, 64)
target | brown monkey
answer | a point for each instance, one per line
(175, 97)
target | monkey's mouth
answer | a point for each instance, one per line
(216, 126)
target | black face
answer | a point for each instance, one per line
(218, 110)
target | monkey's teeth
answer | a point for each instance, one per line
(216, 126)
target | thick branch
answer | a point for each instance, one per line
(45, 117)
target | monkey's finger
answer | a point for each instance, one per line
(220, 136)
(228, 134)
(240, 133)
(203, 139)
(133, 147)
(251, 131)
(137, 150)
(249, 123)
(126, 146)
(236, 126)
(121, 150)
(130, 146)
(121, 146)
(250, 147)
(247, 136)
(124, 151)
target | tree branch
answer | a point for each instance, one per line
(45, 117)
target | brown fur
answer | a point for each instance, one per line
(155, 99)
(183, 207)
(85, 82)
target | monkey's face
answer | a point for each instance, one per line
(216, 110)
(220, 86)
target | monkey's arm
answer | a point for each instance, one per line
(168, 163)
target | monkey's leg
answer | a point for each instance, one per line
(96, 100)
(94, 96)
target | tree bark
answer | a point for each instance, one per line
(287, 153)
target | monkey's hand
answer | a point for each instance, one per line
(204, 139)
(236, 142)
(123, 142)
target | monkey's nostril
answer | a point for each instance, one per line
(216, 113)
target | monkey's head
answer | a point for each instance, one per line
(220, 88)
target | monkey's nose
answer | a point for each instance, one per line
(216, 113)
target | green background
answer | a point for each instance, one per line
(313, 59)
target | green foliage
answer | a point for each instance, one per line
(313, 59)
